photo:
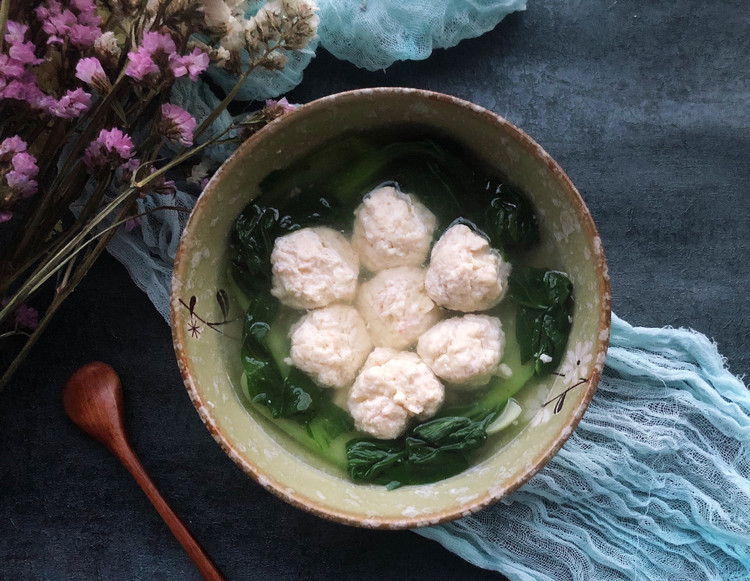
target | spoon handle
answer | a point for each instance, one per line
(199, 556)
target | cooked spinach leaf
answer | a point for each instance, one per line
(544, 319)
(429, 452)
(307, 404)
(509, 219)
(285, 185)
(255, 230)
(262, 373)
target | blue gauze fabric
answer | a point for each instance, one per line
(373, 34)
(654, 483)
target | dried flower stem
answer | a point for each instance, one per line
(70, 282)
(4, 12)
(57, 260)
(230, 96)
(60, 295)
(62, 238)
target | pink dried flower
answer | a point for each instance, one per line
(129, 167)
(88, 68)
(24, 88)
(157, 42)
(83, 35)
(21, 177)
(79, 23)
(71, 104)
(12, 145)
(164, 186)
(20, 53)
(152, 57)
(21, 184)
(25, 163)
(15, 32)
(19, 89)
(86, 12)
(39, 100)
(91, 72)
(20, 168)
(278, 108)
(27, 317)
(21, 181)
(176, 124)
(141, 66)
(112, 148)
(5, 215)
(56, 22)
(192, 64)
(10, 68)
(23, 53)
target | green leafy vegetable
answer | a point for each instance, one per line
(262, 373)
(392, 162)
(544, 319)
(510, 220)
(421, 167)
(285, 185)
(429, 452)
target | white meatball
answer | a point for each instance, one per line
(393, 387)
(464, 351)
(392, 229)
(313, 268)
(396, 308)
(330, 344)
(465, 273)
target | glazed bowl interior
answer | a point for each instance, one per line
(207, 346)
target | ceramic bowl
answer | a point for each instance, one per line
(207, 345)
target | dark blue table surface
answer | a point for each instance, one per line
(646, 105)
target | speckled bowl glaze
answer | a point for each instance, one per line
(206, 320)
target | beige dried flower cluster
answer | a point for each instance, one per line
(279, 25)
(107, 50)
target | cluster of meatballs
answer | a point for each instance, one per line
(360, 336)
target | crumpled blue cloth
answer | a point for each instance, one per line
(654, 483)
(373, 34)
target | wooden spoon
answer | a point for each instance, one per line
(92, 398)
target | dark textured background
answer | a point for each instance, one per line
(646, 105)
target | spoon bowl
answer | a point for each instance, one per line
(92, 398)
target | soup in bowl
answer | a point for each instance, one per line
(390, 307)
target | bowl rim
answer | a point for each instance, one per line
(179, 334)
